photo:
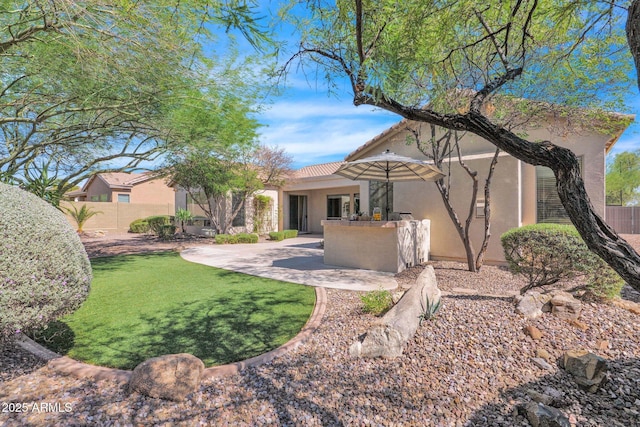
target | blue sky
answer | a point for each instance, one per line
(314, 126)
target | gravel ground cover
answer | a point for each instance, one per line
(470, 365)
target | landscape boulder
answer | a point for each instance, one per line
(171, 377)
(388, 337)
(565, 306)
(531, 305)
(588, 370)
(541, 415)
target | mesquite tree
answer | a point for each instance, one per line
(444, 63)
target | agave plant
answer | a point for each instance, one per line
(430, 309)
(81, 216)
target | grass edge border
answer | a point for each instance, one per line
(66, 365)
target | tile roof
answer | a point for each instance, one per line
(312, 171)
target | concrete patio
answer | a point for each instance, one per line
(298, 260)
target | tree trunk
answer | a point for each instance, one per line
(633, 33)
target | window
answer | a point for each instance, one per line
(239, 220)
(548, 204)
(356, 203)
(338, 206)
(124, 198)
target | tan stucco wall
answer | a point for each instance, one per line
(376, 245)
(116, 217)
(423, 200)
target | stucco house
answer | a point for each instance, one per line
(122, 198)
(521, 194)
(121, 187)
(246, 221)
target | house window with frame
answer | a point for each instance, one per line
(338, 206)
(240, 219)
(124, 198)
(549, 208)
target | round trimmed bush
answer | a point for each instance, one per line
(44, 270)
(139, 226)
(548, 253)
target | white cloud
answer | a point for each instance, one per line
(321, 130)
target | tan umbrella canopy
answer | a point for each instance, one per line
(389, 167)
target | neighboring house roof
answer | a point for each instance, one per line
(313, 171)
(121, 180)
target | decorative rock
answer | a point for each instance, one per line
(543, 354)
(588, 369)
(399, 325)
(530, 305)
(541, 415)
(578, 324)
(541, 363)
(631, 306)
(167, 377)
(565, 306)
(533, 332)
(545, 399)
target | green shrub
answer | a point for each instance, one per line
(226, 238)
(376, 302)
(290, 234)
(548, 253)
(139, 226)
(276, 235)
(156, 223)
(247, 238)
(167, 232)
(44, 270)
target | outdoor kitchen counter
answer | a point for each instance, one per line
(388, 246)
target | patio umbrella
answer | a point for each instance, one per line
(389, 167)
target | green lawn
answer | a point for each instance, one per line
(141, 306)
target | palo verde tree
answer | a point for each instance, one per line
(453, 64)
(443, 149)
(92, 86)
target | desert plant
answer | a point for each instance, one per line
(183, 215)
(81, 216)
(44, 269)
(548, 253)
(276, 235)
(290, 234)
(430, 309)
(139, 226)
(376, 302)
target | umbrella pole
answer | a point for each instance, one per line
(386, 207)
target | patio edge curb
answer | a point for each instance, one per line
(66, 365)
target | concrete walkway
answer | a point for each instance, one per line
(298, 260)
